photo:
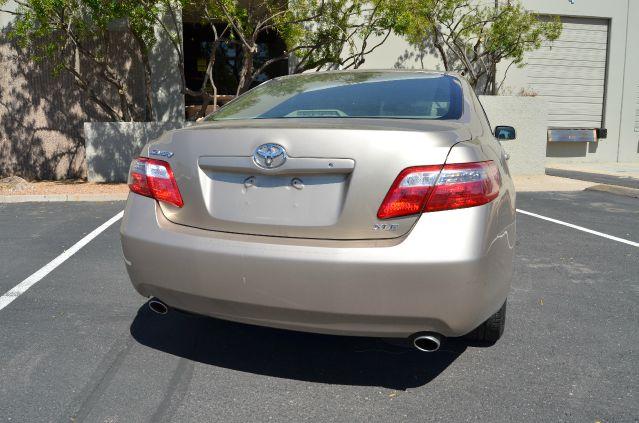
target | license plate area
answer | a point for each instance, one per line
(282, 200)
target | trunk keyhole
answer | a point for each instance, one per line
(297, 183)
(249, 182)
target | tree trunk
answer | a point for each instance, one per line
(493, 79)
(492, 76)
(125, 106)
(149, 114)
(246, 72)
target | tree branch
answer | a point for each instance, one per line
(83, 85)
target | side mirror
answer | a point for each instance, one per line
(505, 133)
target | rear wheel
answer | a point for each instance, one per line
(491, 330)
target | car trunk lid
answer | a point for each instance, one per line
(334, 178)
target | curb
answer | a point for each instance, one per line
(61, 197)
(616, 190)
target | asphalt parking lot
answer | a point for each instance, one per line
(80, 345)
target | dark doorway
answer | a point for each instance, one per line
(198, 43)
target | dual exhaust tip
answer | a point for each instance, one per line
(158, 306)
(426, 342)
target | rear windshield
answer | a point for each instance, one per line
(350, 95)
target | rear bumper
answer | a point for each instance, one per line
(448, 275)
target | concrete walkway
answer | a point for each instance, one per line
(619, 174)
(539, 183)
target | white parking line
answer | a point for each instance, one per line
(23, 286)
(580, 228)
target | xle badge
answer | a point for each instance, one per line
(385, 227)
(162, 153)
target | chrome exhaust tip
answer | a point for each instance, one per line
(429, 342)
(158, 306)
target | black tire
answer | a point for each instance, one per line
(491, 330)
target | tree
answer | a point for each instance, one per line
(77, 36)
(247, 21)
(472, 37)
(88, 40)
(167, 17)
(318, 34)
(341, 32)
(240, 26)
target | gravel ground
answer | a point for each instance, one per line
(61, 187)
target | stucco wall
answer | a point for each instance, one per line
(110, 146)
(529, 118)
(42, 115)
(168, 100)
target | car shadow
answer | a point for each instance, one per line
(287, 354)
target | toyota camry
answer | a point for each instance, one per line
(362, 203)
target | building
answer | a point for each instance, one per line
(589, 80)
(589, 77)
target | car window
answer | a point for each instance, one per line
(350, 95)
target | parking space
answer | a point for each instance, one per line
(80, 345)
(599, 211)
(32, 234)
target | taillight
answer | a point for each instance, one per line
(433, 188)
(154, 178)
(465, 185)
(409, 192)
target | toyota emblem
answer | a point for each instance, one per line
(269, 156)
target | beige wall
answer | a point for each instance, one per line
(622, 82)
(629, 115)
(528, 115)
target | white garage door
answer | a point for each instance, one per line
(570, 73)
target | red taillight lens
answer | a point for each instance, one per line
(137, 178)
(433, 188)
(409, 192)
(465, 185)
(154, 178)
